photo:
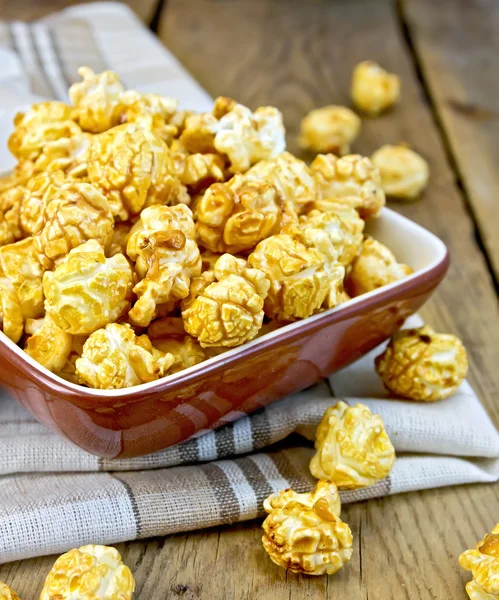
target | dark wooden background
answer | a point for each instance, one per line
(298, 55)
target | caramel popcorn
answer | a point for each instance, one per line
(49, 345)
(229, 311)
(290, 176)
(74, 213)
(235, 216)
(96, 100)
(304, 532)
(115, 358)
(483, 562)
(89, 573)
(198, 171)
(404, 173)
(135, 169)
(6, 593)
(344, 228)
(23, 265)
(234, 131)
(119, 240)
(329, 129)
(43, 124)
(373, 268)
(10, 216)
(11, 317)
(374, 89)
(163, 245)
(87, 290)
(350, 180)
(299, 282)
(352, 447)
(32, 210)
(152, 111)
(168, 335)
(68, 370)
(419, 364)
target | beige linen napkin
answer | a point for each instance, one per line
(54, 496)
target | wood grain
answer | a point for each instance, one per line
(299, 55)
(457, 44)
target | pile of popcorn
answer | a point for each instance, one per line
(137, 239)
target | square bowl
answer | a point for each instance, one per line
(150, 417)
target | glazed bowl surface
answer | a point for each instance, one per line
(153, 416)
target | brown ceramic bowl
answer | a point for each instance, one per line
(153, 416)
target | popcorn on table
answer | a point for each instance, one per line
(329, 129)
(304, 532)
(374, 90)
(89, 573)
(483, 562)
(419, 364)
(352, 447)
(6, 593)
(404, 173)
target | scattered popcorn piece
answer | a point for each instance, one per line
(49, 345)
(235, 216)
(404, 173)
(299, 282)
(11, 317)
(73, 214)
(115, 358)
(89, 573)
(304, 532)
(163, 245)
(87, 290)
(374, 89)
(168, 335)
(483, 562)
(329, 129)
(419, 364)
(23, 265)
(6, 593)
(96, 100)
(343, 226)
(352, 447)
(134, 169)
(290, 176)
(229, 311)
(373, 268)
(350, 180)
(245, 137)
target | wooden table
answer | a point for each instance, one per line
(298, 55)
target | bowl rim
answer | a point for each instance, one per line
(343, 311)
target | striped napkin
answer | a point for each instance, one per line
(54, 496)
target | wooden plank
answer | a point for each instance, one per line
(457, 44)
(29, 10)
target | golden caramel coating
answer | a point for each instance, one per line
(186, 349)
(119, 240)
(87, 290)
(49, 345)
(10, 215)
(115, 358)
(209, 260)
(163, 245)
(96, 100)
(198, 171)
(11, 317)
(235, 216)
(290, 176)
(350, 180)
(89, 573)
(151, 111)
(43, 124)
(229, 311)
(299, 281)
(419, 364)
(23, 265)
(135, 169)
(304, 532)
(352, 447)
(329, 129)
(33, 204)
(373, 268)
(6, 593)
(404, 173)
(345, 232)
(374, 89)
(68, 370)
(483, 562)
(73, 214)
(198, 135)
